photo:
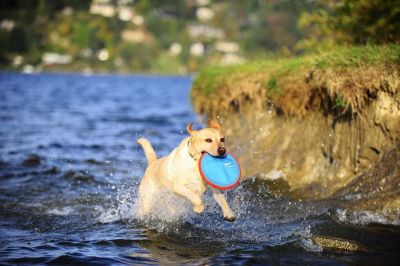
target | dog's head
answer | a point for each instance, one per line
(210, 139)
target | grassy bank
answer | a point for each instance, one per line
(341, 81)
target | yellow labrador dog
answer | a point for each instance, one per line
(178, 172)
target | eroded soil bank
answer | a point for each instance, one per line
(315, 132)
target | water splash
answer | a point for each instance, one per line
(123, 209)
(68, 210)
(367, 217)
(257, 222)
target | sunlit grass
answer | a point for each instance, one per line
(334, 71)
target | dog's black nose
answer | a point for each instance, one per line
(221, 150)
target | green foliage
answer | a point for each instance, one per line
(167, 30)
(350, 22)
(339, 102)
(263, 29)
(138, 57)
(211, 78)
(343, 82)
(358, 56)
(272, 86)
(81, 34)
(277, 26)
(46, 26)
(166, 64)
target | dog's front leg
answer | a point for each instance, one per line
(198, 205)
(226, 210)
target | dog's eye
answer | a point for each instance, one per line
(222, 139)
(209, 140)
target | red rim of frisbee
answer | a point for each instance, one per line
(214, 185)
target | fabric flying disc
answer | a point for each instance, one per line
(220, 172)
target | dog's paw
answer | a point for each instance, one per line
(198, 208)
(230, 218)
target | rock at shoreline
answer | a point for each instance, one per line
(32, 160)
(337, 245)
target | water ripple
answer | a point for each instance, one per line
(70, 168)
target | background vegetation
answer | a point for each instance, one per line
(184, 35)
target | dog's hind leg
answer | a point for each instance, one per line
(198, 205)
(147, 191)
(226, 210)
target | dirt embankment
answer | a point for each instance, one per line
(327, 129)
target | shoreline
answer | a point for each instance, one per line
(320, 123)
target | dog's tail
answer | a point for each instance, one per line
(148, 149)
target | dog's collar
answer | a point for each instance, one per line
(195, 157)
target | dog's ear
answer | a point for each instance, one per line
(190, 130)
(214, 124)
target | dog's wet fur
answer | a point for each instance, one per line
(178, 172)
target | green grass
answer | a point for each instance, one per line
(359, 56)
(272, 84)
(347, 74)
(339, 102)
(210, 79)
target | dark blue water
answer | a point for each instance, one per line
(70, 168)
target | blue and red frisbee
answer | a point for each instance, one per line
(222, 172)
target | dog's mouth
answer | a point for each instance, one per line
(205, 152)
(215, 155)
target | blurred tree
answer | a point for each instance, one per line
(81, 34)
(351, 22)
(268, 25)
(261, 28)
(32, 22)
(139, 56)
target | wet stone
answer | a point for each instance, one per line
(338, 245)
(79, 176)
(93, 161)
(32, 160)
(52, 171)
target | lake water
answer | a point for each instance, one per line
(70, 169)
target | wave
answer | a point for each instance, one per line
(174, 217)
(365, 217)
(62, 211)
